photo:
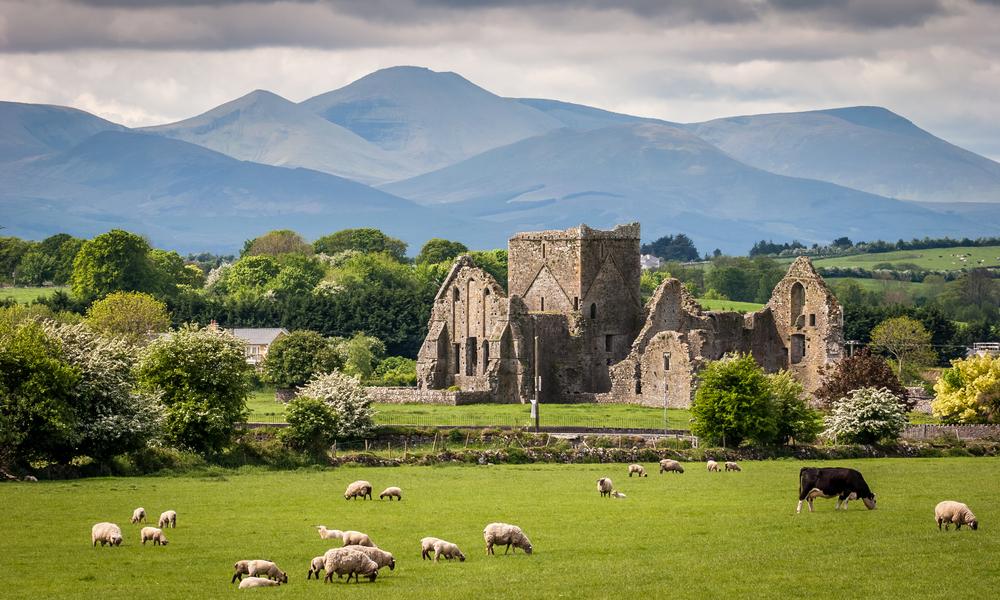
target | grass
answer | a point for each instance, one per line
(696, 535)
(910, 288)
(26, 295)
(936, 259)
(729, 305)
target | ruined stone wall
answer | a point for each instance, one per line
(408, 395)
(545, 265)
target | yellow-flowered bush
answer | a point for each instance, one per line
(969, 392)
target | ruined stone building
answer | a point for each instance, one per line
(573, 329)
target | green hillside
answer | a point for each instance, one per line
(936, 259)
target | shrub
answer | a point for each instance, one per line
(293, 359)
(969, 392)
(347, 398)
(133, 315)
(866, 416)
(733, 403)
(794, 417)
(861, 370)
(312, 425)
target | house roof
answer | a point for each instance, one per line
(259, 335)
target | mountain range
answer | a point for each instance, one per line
(421, 154)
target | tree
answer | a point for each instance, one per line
(132, 315)
(672, 247)
(863, 370)
(969, 392)
(866, 416)
(113, 262)
(278, 242)
(440, 250)
(36, 267)
(312, 425)
(249, 276)
(365, 239)
(794, 418)
(733, 402)
(12, 249)
(842, 242)
(203, 380)
(361, 353)
(907, 341)
(347, 398)
(293, 359)
(397, 371)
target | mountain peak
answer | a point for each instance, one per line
(874, 117)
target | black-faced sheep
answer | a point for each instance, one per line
(731, 466)
(106, 533)
(950, 511)
(390, 493)
(350, 562)
(501, 534)
(381, 557)
(315, 566)
(604, 486)
(258, 568)
(153, 534)
(359, 488)
(670, 465)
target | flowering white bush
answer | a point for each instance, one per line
(348, 399)
(866, 416)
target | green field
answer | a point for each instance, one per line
(936, 259)
(729, 305)
(696, 535)
(25, 295)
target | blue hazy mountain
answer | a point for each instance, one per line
(582, 117)
(37, 129)
(865, 147)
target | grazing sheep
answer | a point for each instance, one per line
(106, 533)
(350, 538)
(154, 534)
(638, 470)
(670, 465)
(617, 494)
(350, 562)
(950, 511)
(240, 568)
(168, 518)
(731, 466)
(358, 488)
(426, 546)
(381, 557)
(254, 582)
(505, 534)
(604, 486)
(328, 534)
(315, 566)
(138, 514)
(258, 568)
(30, 479)
(440, 548)
(712, 466)
(390, 493)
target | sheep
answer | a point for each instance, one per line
(638, 470)
(358, 488)
(315, 566)
(106, 533)
(390, 493)
(168, 519)
(950, 511)
(440, 548)
(253, 582)
(351, 562)
(604, 486)
(350, 538)
(668, 464)
(503, 533)
(426, 546)
(618, 494)
(257, 568)
(381, 557)
(30, 479)
(712, 466)
(138, 514)
(731, 466)
(154, 534)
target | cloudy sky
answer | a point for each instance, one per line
(144, 62)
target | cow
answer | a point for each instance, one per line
(827, 482)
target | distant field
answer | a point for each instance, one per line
(729, 305)
(937, 259)
(911, 288)
(25, 295)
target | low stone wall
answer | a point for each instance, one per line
(961, 432)
(409, 395)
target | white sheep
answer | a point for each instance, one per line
(670, 465)
(427, 546)
(30, 479)
(390, 493)
(505, 534)
(604, 486)
(440, 548)
(153, 534)
(950, 511)
(350, 562)
(168, 518)
(138, 514)
(258, 568)
(731, 466)
(255, 582)
(638, 470)
(359, 488)
(349, 538)
(315, 566)
(381, 557)
(712, 466)
(617, 494)
(106, 533)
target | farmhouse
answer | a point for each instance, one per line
(257, 341)
(573, 328)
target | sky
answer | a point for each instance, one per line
(146, 62)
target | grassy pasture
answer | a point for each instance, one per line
(696, 535)
(729, 305)
(25, 295)
(936, 259)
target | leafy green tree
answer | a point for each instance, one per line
(249, 276)
(733, 403)
(113, 262)
(365, 239)
(794, 417)
(203, 380)
(131, 315)
(63, 248)
(12, 249)
(297, 274)
(361, 353)
(969, 392)
(347, 398)
(493, 262)
(36, 268)
(312, 425)
(169, 271)
(862, 370)
(907, 341)
(672, 247)
(278, 242)
(293, 359)
(866, 416)
(440, 250)
(396, 371)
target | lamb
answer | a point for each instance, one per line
(253, 582)
(106, 533)
(950, 511)
(505, 534)
(604, 486)
(638, 470)
(358, 488)
(315, 566)
(381, 557)
(731, 466)
(671, 465)
(154, 534)
(258, 568)
(440, 548)
(618, 494)
(351, 562)
(390, 493)
(138, 514)
(426, 546)
(168, 519)
(350, 538)
(712, 466)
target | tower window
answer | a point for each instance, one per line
(455, 294)
(543, 249)
(543, 302)
(593, 310)
(608, 342)
(576, 303)
(812, 320)
(666, 361)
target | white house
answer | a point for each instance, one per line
(257, 341)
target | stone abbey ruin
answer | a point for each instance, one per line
(573, 328)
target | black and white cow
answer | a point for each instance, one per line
(827, 482)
